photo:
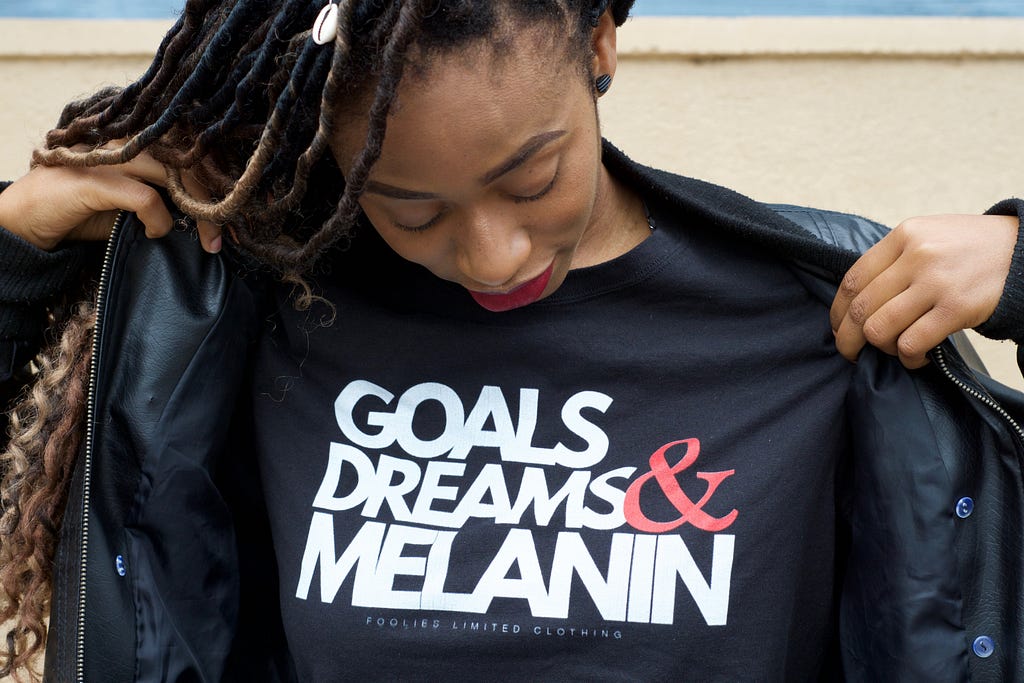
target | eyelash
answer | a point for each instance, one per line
(539, 195)
(421, 228)
(515, 198)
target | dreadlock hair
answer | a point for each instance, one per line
(203, 107)
(242, 99)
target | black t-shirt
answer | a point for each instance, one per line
(633, 478)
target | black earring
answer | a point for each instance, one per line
(603, 82)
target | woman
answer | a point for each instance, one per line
(549, 413)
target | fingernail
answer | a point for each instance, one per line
(215, 244)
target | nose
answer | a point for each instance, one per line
(491, 250)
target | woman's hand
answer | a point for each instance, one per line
(928, 278)
(51, 204)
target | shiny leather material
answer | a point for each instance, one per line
(844, 230)
(901, 614)
(988, 465)
(174, 336)
(173, 486)
(922, 583)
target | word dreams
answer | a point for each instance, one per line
(642, 572)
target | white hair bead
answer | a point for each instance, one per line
(325, 30)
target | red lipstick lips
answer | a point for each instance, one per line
(523, 295)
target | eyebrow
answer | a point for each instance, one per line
(386, 190)
(521, 156)
(532, 146)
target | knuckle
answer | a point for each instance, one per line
(858, 311)
(850, 285)
(910, 227)
(928, 249)
(909, 346)
(876, 334)
(148, 198)
(944, 312)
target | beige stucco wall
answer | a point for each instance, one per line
(885, 117)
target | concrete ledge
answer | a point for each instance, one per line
(821, 36)
(681, 37)
(59, 38)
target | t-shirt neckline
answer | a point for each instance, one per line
(632, 267)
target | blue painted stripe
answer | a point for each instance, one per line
(162, 9)
(967, 8)
(91, 9)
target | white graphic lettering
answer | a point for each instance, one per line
(459, 434)
(404, 466)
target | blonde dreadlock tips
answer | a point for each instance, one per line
(325, 29)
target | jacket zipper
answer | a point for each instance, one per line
(939, 355)
(89, 434)
(940, 358)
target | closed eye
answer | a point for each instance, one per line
(534, 197)
(420, 228)
(516, 198)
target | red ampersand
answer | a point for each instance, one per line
(689, 511)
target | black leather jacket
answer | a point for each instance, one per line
(164, 569)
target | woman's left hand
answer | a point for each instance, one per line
(928, 278)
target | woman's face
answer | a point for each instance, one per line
(490, 174)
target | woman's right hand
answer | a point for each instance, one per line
(51, 204)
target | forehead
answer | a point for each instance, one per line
(510, 40)
(472, 104)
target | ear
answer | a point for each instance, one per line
(602, 41)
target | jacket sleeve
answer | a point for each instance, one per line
(30, 279)
(1007, 322)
